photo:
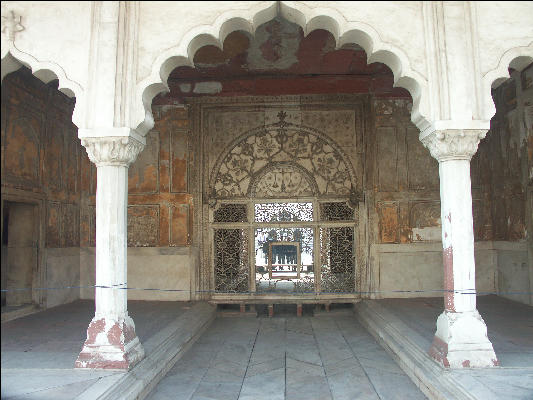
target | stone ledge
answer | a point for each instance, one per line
(145, 251)
(437, 246)
(162, 352)
(400, 342)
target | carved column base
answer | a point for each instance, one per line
(110, 344)
(461, 341)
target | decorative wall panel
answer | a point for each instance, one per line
(70, 225)
(179, 147)
(387, 148)
(388, 222)
(423, 170)
(180, 225)
(143, 225)
(157, 186)
(275, 146)
(22, 155)
(53, 224)
(54, 151)
(144, 172)
(40, 154)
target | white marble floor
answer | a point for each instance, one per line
(309, 358)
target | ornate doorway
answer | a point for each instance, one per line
(283, 216)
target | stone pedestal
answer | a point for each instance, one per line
(461, 341)
(111, 340)
(111, 344)
(461, 338)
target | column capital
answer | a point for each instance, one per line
(113, 150)
(453, 144)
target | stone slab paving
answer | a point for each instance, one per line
(509, 328)
(286, 358)
(39, 350)
(509, 324)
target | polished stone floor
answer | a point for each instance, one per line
(321, 357)
(509, 325)
(510, 330)
(326, 357)
(39, 350)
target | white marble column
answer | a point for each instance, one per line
(461, 339)
(111, 339)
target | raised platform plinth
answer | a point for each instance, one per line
(111, 344)
(461, 341)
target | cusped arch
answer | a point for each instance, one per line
(517, 58)
(309, 19)
(282, 144)
(46, 71)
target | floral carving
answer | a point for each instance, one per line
(453, 144)
(119, 151)
(276, 146)
(282, 181)
(11, 25)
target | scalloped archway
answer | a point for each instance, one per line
(46, 71)
(517, 58)
(325, 18)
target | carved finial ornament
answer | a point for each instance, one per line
(453, 144)
(11, 25)
(113, 150)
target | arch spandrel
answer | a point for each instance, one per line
(318, 166)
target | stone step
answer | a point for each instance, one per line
(168, 346)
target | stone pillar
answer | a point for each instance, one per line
(111, 339)
(461, 338)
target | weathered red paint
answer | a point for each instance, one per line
(89, 360)
(466, 363)
(95, 327)
(118, 336)
(129, 333)
(449, 295)
(439, 351)
(114, 336)
(251, 85)
(316, 67)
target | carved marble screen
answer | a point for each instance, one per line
(280, 182)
